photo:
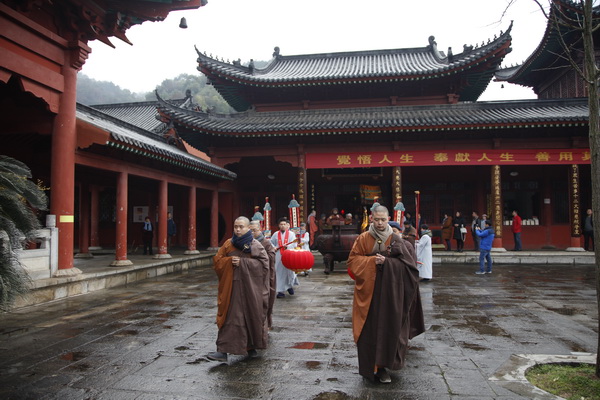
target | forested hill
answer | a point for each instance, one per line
(91, 91)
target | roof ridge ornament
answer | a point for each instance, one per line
(433, 46)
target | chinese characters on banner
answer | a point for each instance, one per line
(575, 212)
(448, 157)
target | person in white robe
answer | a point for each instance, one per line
(303, 240)
(282, 240)
(425, 254)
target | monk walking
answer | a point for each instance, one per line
(387, 310)
(258, 235)
(242, 266)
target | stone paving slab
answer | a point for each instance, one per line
(148, 339)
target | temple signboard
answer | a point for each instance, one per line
(448, 157)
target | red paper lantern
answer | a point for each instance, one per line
(297, 260)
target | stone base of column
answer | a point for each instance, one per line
(213, 249)
(83, 255)
(161, 256)
(191, 252)
(121, 263)
(575, 243)
(67, 272)
(92, 248)
(574, 249)
(498, 250)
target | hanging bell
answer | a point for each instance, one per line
(183, 23)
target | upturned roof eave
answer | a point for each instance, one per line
(485, 115)
(388, 129)
(127, 137)
(533, 63)
(220, 70)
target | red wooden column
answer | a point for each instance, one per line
(214, 220)
(121, 229)
(62, 165)
(575, 201)
(94, 215)
(191, 242)
(163, 202)
(84, 222)
(496, 211)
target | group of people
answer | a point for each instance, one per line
(251, 276)
(455, 228)
(386, 262)
(386, 312)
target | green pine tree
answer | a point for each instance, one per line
(19, 197)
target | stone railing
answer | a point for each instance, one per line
(42, 261)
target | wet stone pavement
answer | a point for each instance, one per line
(149, 340)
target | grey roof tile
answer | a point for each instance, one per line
(471, 115)
(392, 63)
(123, 132)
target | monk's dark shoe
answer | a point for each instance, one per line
(383, 376)
(291, 291)
(252, 353)
(280, 295)
(217, 356)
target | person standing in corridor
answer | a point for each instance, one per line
(516, 230)
(588, 230)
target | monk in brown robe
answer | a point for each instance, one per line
(242, 265)
(258, 235)
(335, 217)
(387, 310)
(409, 233)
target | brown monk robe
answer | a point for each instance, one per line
(258, 235)
(243, 297)
(387, 308)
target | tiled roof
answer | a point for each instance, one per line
(237, 83)
(547, 56)
(482, 115)
(385, 64)
(141, 114)
(127, 137)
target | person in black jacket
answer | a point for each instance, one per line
(588, 230)
(147, 235)
(459, 231)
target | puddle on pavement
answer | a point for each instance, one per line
(309, 345)
(313, 364)
(564, 311)
(336, 395)
(80, 367)
(197, 361)
(73, 356)
(473, 346)
(574, 346)
(126, 332)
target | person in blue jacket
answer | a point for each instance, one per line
(485, 246)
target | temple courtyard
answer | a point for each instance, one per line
(148, 339)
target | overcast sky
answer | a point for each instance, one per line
(250, 29)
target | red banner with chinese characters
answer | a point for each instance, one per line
(448, 157)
